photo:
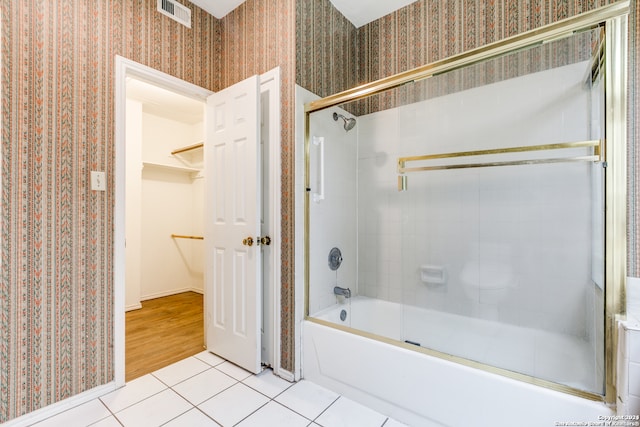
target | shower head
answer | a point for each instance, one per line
(349, 123)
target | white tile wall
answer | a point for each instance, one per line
(529, 226)
(332, 220)
(628, 386)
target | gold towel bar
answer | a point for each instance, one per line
(596, 144)
(180, 236)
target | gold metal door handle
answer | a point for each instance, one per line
(266, 240)
(248, 241)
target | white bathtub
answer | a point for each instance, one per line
(423, 390)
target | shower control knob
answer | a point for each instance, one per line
(248, 241)
(266, 240)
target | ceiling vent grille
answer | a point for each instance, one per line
(175, 11)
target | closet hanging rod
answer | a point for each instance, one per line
(595, 157)
(181, 236)
(188, 148)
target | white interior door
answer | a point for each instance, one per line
(233, 186)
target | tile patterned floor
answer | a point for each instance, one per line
(205, 390)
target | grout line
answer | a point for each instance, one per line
(326, 409)
(292, 410)
(135, 403)
(109, 410)
(257, 409)
(208, 398)
(177, 416)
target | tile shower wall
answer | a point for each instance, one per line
(426, 31)
(485, 223)
(333, 219)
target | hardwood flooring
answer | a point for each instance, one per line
(164, 331)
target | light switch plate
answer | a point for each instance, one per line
(98, 181)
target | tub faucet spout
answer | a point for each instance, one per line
(342, 291)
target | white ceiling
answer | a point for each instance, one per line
(164, 103)
(359, 12)
(218, 8)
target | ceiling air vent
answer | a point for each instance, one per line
(175, 11)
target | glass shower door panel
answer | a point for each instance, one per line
(502, 261)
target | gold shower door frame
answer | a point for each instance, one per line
(613, 20)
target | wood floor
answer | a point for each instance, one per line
(165, 330)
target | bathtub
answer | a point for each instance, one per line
(422, 390)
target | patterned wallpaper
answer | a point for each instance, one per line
(254, 38)
(56, 289)
(326, 48)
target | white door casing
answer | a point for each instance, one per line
(232, 199)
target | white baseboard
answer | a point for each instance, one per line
(59, 407)
(160, 295)
(285, 375)
(133, 307)
(170, 292)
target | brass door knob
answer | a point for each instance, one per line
(266, 240)
(248, 241)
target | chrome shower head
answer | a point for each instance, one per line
(349, 123)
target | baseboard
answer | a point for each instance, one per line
(285, 375)
(133, 307)
(170, 292)
(59, 407)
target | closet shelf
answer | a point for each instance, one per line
(172, 168)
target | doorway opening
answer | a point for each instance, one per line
(185, 241)
(164, 227)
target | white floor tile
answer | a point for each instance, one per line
(79, 416)
(107, 422)
(267, 383)
(234, 404)
(180, 371)
(274, 415)
(210, 358)
(393, 423)
(307, 398)
(192, 418)
(233, 371)
(135, 391)
(154, 411)
(203, 386)
(347, 413)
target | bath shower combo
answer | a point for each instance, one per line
(499, 257)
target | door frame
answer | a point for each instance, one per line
(128, 68)
(270, 82)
